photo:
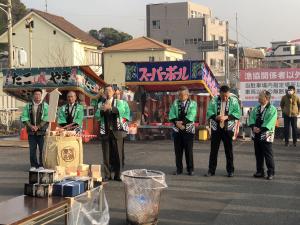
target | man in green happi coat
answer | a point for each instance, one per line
(183, 114)
(35, 118)
(70, 116)
(223, 111)
(262, 121)
(113, 117)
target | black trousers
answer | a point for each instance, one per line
(264, 152)
(287, 122)
(36, 141)
(183, 142)
(216, 138)
(112, 149)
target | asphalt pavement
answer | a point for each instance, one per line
(218, 200)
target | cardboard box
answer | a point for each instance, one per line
(41, 176)
(83, 167)
(96, 168)
(83, 173)
(96, 175)
(68, 188)
(71, 169)
(38, 190)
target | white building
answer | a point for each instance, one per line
(284, 54)
(186, 25)
(51, 41)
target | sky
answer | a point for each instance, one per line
(259, 21)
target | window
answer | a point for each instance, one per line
(156, 24)
(296, 60)
(168, 58)
(286, 49)
(221, 62)
(151, 59)
(199, 40)
(212, 37)
(193, 14)
(167, 41)
(195, 41)
(212, 62)
(186, 41)
(221, 40)
(191, 41)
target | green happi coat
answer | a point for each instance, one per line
(123, 115)
(190, 115)
(41, 120)
(233, 112)
(267, 122)
(77, 116)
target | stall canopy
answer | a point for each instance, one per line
(20, 82)
(170, 75)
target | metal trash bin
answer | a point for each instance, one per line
(142, 195)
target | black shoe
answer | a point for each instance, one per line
(230, 174)
(106, 179)
(286, 144)
(117, 178)
(177, 173)
(295, 144)
(191, 173)
(258, 175)
(209, 174)
(270, 177)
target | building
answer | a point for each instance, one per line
(51, 41)
(249, 58)
(140, 49)
(186, 26)
(283, 54)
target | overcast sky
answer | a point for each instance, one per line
(260, 21)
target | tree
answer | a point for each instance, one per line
(18, 12)
(110, 36)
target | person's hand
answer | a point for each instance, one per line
(223, 118)
(34, 128)
(178, 124)
(218, 118)
(256, 130)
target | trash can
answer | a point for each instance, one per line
(142, 195)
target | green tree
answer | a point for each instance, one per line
(18, 12)
(110, 36)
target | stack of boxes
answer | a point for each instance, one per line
(63, 181)
(40, 183)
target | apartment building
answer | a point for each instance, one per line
(185, 25)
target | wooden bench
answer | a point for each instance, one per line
(30, 210)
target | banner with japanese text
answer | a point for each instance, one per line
(19, 81)
(276, 81)
(171, 71)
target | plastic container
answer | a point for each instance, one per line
(142, 194)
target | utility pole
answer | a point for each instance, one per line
(46, 5)
(227, 55)
(7, 9)
(9, 26)
(237, 50)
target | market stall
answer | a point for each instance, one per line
(81, 79)
(156, 84)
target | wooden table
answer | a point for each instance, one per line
(30, 210)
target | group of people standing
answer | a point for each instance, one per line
(111, 112)
(223, 112)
